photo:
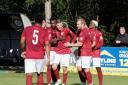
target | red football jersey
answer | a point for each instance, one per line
(35, 41)
(85, 38)
(48, 32)
(99, 40)
(93, 34)
(97, 36)
(52, 34)
(67, 34)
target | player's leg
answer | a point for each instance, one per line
(100, 75)
(88, 76)
(40, 79)
(86, 62)
(56, 72)
(82, 77)
(81, 72)
(65, 75)
(65, 64)
(49, 68)
(97, 65)
(29, 69)
(40, 63)
(29, 79)
(54, 79)
(59, 67)
(53, 55)
(48, 74)
(56, 61)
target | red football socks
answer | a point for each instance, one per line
(100, 77)
(89, 77)
(28, 79)
(48, 75)
(56, 72)
(65, 75)
(40, 79)
(83, 74)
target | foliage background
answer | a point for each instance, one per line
(112, 13)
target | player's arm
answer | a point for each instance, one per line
(93, 39)
(73, 36)
(23, 45)
(100, 43)
(93, 44)
(78, 44)
(47, 48)
(57, 39)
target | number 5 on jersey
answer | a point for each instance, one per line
(35, 37)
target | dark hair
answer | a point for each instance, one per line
(53, 18)
(81, 18)
(122, 27)
(37, 23)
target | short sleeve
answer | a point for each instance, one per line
(81, 37)
(100, 36)
(23, 33)
(47, 37)
(73, 36)
(93, 36)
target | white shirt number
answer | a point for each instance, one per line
(35, 37)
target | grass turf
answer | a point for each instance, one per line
(73, 79)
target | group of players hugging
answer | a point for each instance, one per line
(49, 44)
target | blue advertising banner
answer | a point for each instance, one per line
(114, 57)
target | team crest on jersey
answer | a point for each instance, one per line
(50, 36)
(62, 33)
(81, 38)
(94, 37)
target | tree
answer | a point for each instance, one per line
(111, 13)
(48, 11)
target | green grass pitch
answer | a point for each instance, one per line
(73, 79)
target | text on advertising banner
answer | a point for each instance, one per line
(115, 57)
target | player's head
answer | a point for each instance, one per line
(59, 25)
(65, 24)
(81, 23)
(93, 24)
(37, 24)
(53, 22)
(43, 25)
(122, 30)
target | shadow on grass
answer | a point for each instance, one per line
(35, 83)
(71, 84)
(76, 84)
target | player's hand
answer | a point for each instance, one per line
(60, 38)
(67, 44)
(48, 62)
(23, 54)
(118, 41)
